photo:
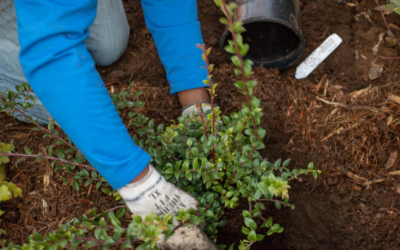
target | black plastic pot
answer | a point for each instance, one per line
(272, 31)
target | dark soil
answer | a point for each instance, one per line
(354, 204)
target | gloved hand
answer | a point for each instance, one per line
(191, 110)
(153, 194)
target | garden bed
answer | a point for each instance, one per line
(354, 204)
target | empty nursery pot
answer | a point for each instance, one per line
(272, 32)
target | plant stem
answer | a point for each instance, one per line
(226, 12)
(48, 158)
(94, 179)
(210, 86)
(250, 210)
(251, 216)
(248, 246)
(33, 122)
(273, 200)
(205, 131)
(203, 122)
(97, 241)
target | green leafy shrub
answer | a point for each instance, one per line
(7, 189)
(214, 157)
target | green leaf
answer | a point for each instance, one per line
(249, 222)
(27, 150)
(185, 165)
(5, 194)
(223, 20)
(114, 220)
(251, 84)
(50, 124)
(244, 49)
(286, 163)
(396, 2)
(75, 185)
(275, 227)
(239, 126)
(169, 171)
(260, 206)
(195, 163)
(150, 217)
(108, 240)
(246, 213)
(255, 102)
(252, 236)
(277, 164)
(278, 205)
(93, 174)
(90, 244)
(245, 230)
(37, 236)
(208, 51)
(36, 129)
(247, 69)
(107, 190)
(160, 128)
(237, 71)
(260, 237)
(126, 245)
(230, 49)
(195, 220)
(235, 59)
(137, 218)
(88, 182)
(239, 85)
(389, 7)
(177, 174)
(195, 151)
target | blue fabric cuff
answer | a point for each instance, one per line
(121, 177)
(180, 56)
(186, 84)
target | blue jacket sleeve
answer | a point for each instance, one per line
(62, 73)
(176, 31)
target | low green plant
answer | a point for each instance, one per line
(7, 189)
(214, 157)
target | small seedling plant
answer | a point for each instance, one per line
(214, 157)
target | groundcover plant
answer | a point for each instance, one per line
(216, 158)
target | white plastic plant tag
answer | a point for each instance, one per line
(318, 56)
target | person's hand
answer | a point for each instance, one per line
(153, 194)
(191, 110)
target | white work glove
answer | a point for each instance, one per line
(191, 110)
(153, 194)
